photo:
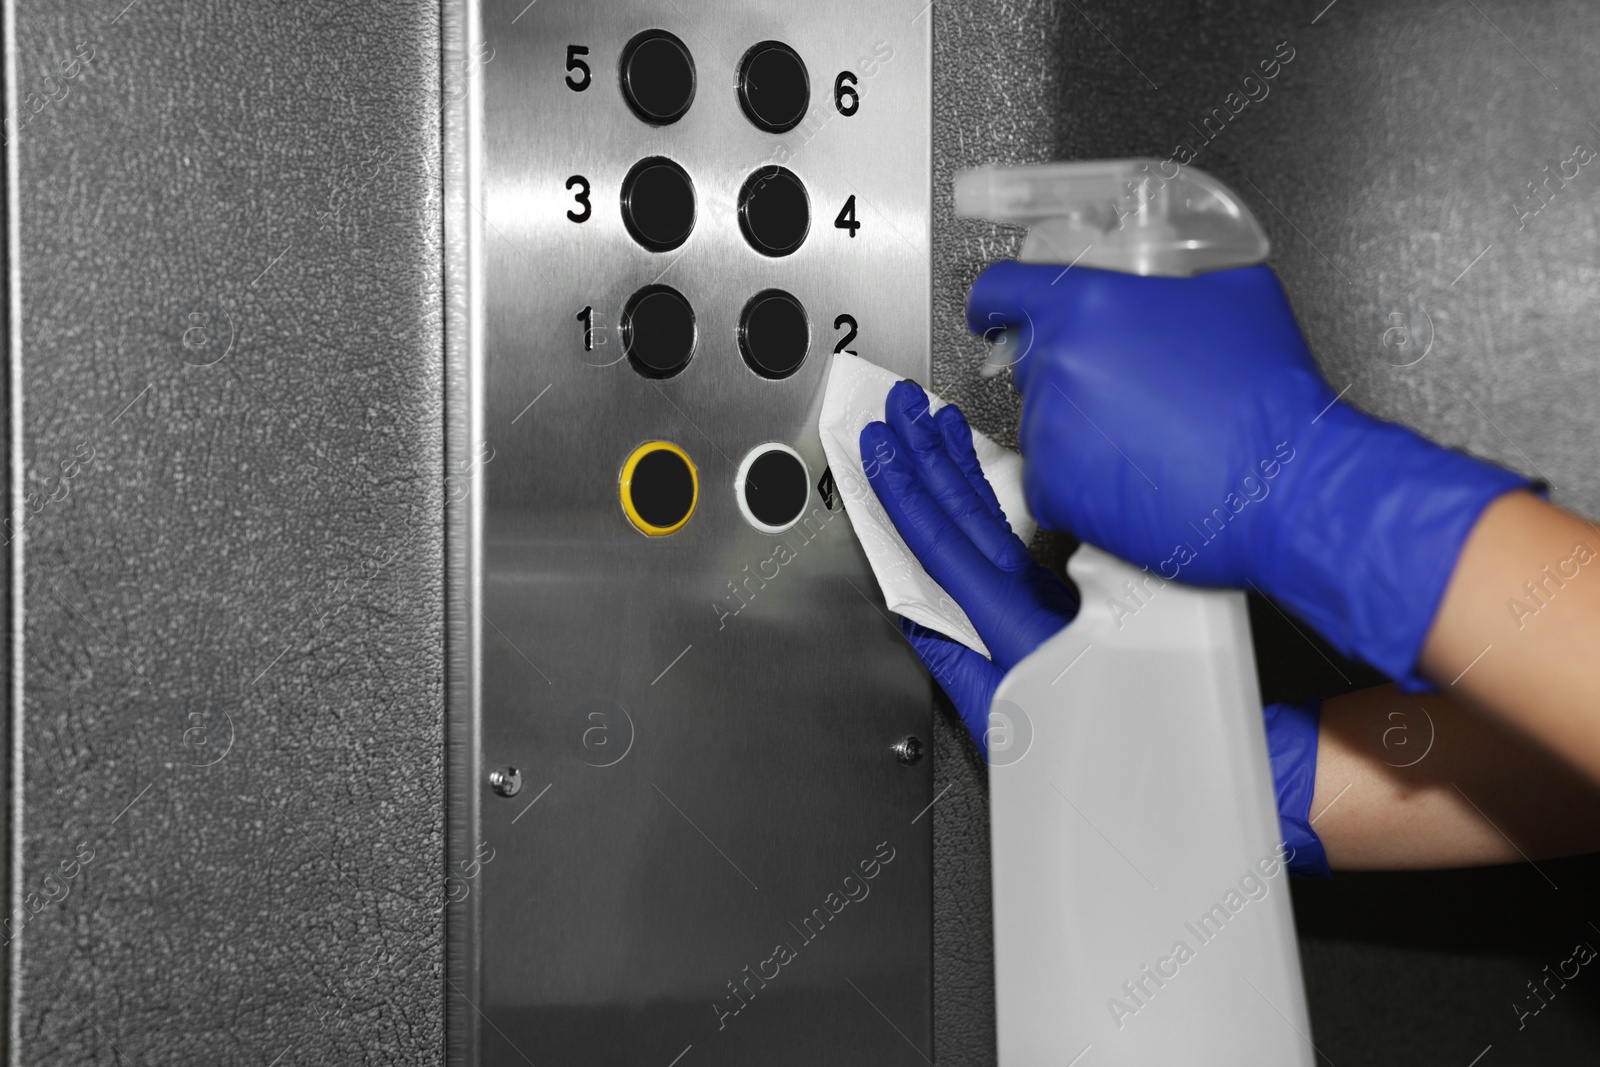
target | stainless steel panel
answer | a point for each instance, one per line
(697, 781)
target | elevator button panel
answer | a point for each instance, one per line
(683, 210)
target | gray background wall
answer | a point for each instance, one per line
(256, 540)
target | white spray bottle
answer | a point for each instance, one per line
(1141, 906)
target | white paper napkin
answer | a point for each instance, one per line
(855, 396)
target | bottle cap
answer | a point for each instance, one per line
(1139, 216)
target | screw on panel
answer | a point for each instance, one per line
(507, 782)
(908, 749)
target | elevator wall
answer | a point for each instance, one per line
(229, 272)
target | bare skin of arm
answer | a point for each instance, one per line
(1534, 666)
(1418, 781)
(1504, 764)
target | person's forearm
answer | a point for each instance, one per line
(1517, 633)
(1420, 781)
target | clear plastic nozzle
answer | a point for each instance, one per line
(1139, 216)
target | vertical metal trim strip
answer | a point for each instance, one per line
(15, 558)
(460, 99)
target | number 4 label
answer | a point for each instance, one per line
(847, 217)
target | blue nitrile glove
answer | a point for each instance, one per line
(935, 492)
(1182, 424)
(1292, 747)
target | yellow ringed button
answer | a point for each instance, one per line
(659, 488)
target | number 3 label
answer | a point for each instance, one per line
(580, 183)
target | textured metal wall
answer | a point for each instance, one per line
(260, 536)
(1384, 159)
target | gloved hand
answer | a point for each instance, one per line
(1292, 731)
(1182, 424)
(935, 492)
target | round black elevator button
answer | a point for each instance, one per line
(774, 487)
(658, 331)
(659, 488)
(658, 203)
(774, 211)
(657, 77)
(774, 334)
(774, 89)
